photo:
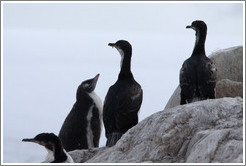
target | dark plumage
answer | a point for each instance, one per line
(56, 153)
(82, 127)
(124, 98)
(198, 73)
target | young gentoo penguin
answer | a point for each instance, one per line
(124, 98)
(82, 127)
(198, 73)
(56, 153)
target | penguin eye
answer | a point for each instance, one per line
(87, 85)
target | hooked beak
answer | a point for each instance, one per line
(111, 44)
(189, 26)
(29, 140)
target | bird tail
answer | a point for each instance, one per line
(113, 138)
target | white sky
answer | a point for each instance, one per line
(50, 48)
(127, 17)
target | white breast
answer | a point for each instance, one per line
(97, 101)
(122, 56)
(49, 157)
(98, 104)
(89, 133)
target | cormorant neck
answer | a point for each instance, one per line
(59, 154)
(199, 48)
(126, 64)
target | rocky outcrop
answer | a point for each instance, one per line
(204, 131)
(228, 88)
(229, 63)
(81, 156)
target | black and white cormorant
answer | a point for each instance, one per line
(198, 73)
(124, 98)
(82, 127)
(56, 153)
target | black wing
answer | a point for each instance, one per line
(187, 80)
(207, 79)
(73, 130)
(121, 107)
(96, 125)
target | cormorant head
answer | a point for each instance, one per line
(198, 26)
(90, 85)
(122, 46)
(48, 140)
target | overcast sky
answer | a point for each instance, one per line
(50, 48)
(226, 18)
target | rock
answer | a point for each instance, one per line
(228, 88)
(229, 63)
(174, 99)
(81, 156)
(204, 131)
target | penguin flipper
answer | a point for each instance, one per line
(113, 138)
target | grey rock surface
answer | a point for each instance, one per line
(205, 131)
(229, 63)
(81, 156)
(229, 88)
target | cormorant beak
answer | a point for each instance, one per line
(189, 26)
(111, 44)
(29, 140)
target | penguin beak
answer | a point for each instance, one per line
(112, 44)
(94, 82)
(96, 77)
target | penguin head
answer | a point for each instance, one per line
(198, 26)
(90, 85)
(48, 140)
